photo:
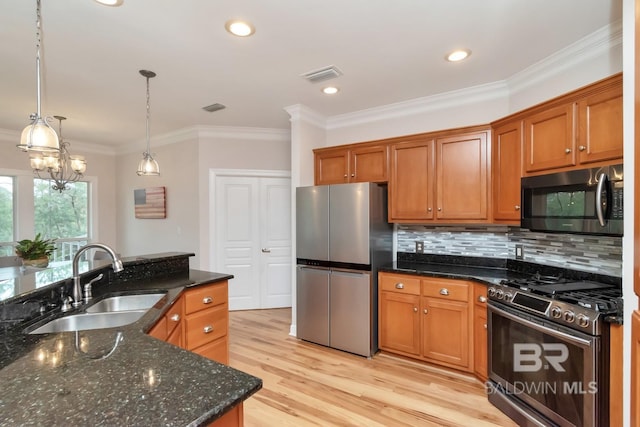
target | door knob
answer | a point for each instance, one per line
(266, 250)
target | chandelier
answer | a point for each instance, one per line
(148, 166)
(38, 136)
(62, 167)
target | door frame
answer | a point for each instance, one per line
(237, 173)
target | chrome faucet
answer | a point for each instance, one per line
(77, 288)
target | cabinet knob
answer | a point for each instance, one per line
(346, 176)
(425, 311)
(399, 285)
(353, 175)
(439, 209)
(482, 298)
(444, 291)
(415, 309)
(567, 150)
(175, 317)
(517, 207)
(207, 300)
(485, 325)
(582, 148)
(207, 329)
(429, 209)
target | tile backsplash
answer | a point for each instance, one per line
(599, 254)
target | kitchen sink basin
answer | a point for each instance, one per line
(87, 321)
(125, 303)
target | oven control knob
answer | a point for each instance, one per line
(569, 316)
(556, 312)
(508, 296)
(583, 321)
(499, 293)
(492, 292)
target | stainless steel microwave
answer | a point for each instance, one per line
(584, 201)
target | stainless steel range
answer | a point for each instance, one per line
(548, 350)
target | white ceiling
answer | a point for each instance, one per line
(388, 50)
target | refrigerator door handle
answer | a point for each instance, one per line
(309, 267)
(348, 271)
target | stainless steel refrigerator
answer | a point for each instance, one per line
(342, 237)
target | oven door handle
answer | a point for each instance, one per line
(533, 325)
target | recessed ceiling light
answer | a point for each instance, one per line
(330, 90)
(458, 55)
(239, 28)
(110, 2)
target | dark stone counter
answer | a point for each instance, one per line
(116, 376)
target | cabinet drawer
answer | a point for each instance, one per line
(217, 350)
(206, 326)
(159, 330)
(480, 295)
(402, 284)
(205, 297)
(455, 291)
(174, 316)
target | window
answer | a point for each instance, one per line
(6, 215)
(62, 216)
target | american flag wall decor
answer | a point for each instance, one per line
(150, 202)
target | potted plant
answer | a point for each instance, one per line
(36, 252)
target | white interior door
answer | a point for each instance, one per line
(253, 239)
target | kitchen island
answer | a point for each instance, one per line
(114, 376)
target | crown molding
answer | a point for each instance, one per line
(299, 112)
(471, 95)
(598, 43)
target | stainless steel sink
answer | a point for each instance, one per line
(125, 303)
(87, 321)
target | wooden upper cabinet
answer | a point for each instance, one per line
(369, 163)
(411, 183)
(549, 139)
(462, 177)
(507, 170)
(600, 126)
(331, 166)
(357, 163)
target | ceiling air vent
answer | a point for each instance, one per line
(214, 107)
(322, 74)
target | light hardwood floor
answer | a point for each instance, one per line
(309, 385)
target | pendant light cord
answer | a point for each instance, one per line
(148, 116)
(38, 42)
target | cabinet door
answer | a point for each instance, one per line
(159, 330)
(332, 166)
(399, 322)
(549, 139)
(480, 339)
(600, 126)
(217, 350)
(507, 171)
(411, 183)
(462, 177)
(445, 331)
(176, 337)
(369, 163)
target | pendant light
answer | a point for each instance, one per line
(148, 166)
(38, 136)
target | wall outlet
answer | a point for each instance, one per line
(519, 252)
(419, 247)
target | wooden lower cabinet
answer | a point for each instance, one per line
(198, 321)
(426, 318)
(233, 418)
(480, 332)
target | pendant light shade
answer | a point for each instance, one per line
(38, 136)
(148, 166)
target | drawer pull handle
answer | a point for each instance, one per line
(444, 291)
(399, 285)
(208, 329)
(175, 317)
(207, 300)
(415, 309)
(482, 298)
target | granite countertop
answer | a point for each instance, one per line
(116, 376)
